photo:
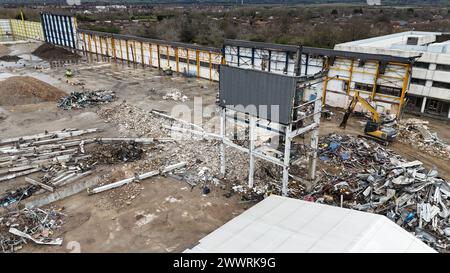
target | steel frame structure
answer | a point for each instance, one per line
(305, 118)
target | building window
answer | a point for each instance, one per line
(418, 81)
(445, 85)
(363, 86)
(421, 65)
(413, 103)
(437, 107)
(443, 67)
(392, 91)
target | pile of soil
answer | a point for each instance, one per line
(50, 52)
(4, 50)
(9, 58)
(19, 90)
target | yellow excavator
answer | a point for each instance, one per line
(373, 128)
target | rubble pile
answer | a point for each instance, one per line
(202, 154)
(416, 132)
(79, 100)
(176, 95)
(377, 180)
(116, 153)
(132, 118)
(37, 225)
(60, 158)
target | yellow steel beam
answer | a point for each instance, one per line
(404, 89)
(84, 42)
(121, 50)
(197, 62)
(167, 56)
(325, 83)
(128, 54)
(187, 60)
(350, 76)
(113, 47)
(177, 60)
(210, 66)
(150, 61)
(134, 52)
(142, 54)
(90, 43)
(101, 45)
(374, 88)
(159, 57)
(95, 44)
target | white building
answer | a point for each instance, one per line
(429, 91)
(287, 225)
(374, 2)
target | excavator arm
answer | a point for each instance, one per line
(357, 98)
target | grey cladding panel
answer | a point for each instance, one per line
(247, 90)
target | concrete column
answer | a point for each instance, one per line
(222, 145)
(252, 138)
(424, 103)
(286, 161)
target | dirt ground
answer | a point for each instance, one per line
(164, 215)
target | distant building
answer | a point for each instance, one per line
(374, 2)
(429, 91)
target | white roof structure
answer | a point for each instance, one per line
(280, 224)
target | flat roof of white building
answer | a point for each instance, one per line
(280, 224)
(404, 44)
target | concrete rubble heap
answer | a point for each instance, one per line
(201, 152)
(86, 99)
(416, 131)
(377, 180)
(37, 225)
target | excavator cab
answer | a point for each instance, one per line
(373, 128)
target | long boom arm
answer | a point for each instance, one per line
(357, 98)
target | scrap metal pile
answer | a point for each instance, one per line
(62, 157)
(36, 225)
(375, 179)
(86, 99)
(417, 132)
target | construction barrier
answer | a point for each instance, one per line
(26, 29)
(191, 60)
(59, 29)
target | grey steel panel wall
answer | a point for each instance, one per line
(251, 89)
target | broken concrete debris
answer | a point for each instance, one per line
(375, 179)
(79, 100)
(176, 95)
(36, 225)
(136, 178)
(416, 131)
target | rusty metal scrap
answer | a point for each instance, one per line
(86, 99)
(37, 225)
(376, 179)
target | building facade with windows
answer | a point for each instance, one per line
(429, 89)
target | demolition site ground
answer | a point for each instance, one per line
(165, 213)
